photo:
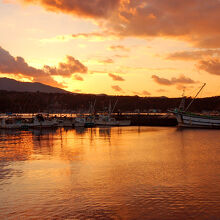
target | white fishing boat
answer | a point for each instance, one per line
(194, 120)
(79, 121)
(10, 123)
(68, 122)
(90, 121)
(188, 119)
(109, 120)
(39, 121)
(19, 123)
(65, 122)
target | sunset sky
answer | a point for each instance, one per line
(116, 47)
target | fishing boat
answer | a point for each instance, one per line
(64, 122)
(89, 121)
(38, 121)
(79, 121)
(194, 120)
(108, 120)
(10, 123)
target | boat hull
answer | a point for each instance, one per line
(196, 120)
(112, 123)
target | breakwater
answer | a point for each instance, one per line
(149, 119)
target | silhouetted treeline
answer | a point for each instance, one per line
(57, 102)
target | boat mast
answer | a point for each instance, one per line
(182, 104)
(109, 108)
(114, 105)
(195, 97)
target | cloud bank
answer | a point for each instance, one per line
(17, 65)
(194, 21)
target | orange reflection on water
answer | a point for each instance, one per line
(129, 172)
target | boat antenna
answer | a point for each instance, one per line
(109, 108)
(115, 105)
(183, 92)
(93, 107)
(195, 97)
(182, 104)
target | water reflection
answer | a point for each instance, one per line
(127, 173)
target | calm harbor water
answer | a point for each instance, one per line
(110, 173)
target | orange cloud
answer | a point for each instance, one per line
(211, 66)
(183, 87)
(115, 77)
(146, 93)
(92, 36)
(77, 77)
(107, 61)
(181, 80)
(67, 69)
(193, 55)
(119, 47)
(85, 8)
(161, 90)
(143, 93)
(194, 21)
(77, 90)
(120, 56)
(117, 88)
(18, 66)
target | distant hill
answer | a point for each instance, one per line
(13, 85)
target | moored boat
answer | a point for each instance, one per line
(37, 121)
(90, 121)
(108, 120)
(79, 121)
(194, 120)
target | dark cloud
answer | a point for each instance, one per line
(117, 88)
(211, 66)
(180, 80)
(115, 77)
(17, 65)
